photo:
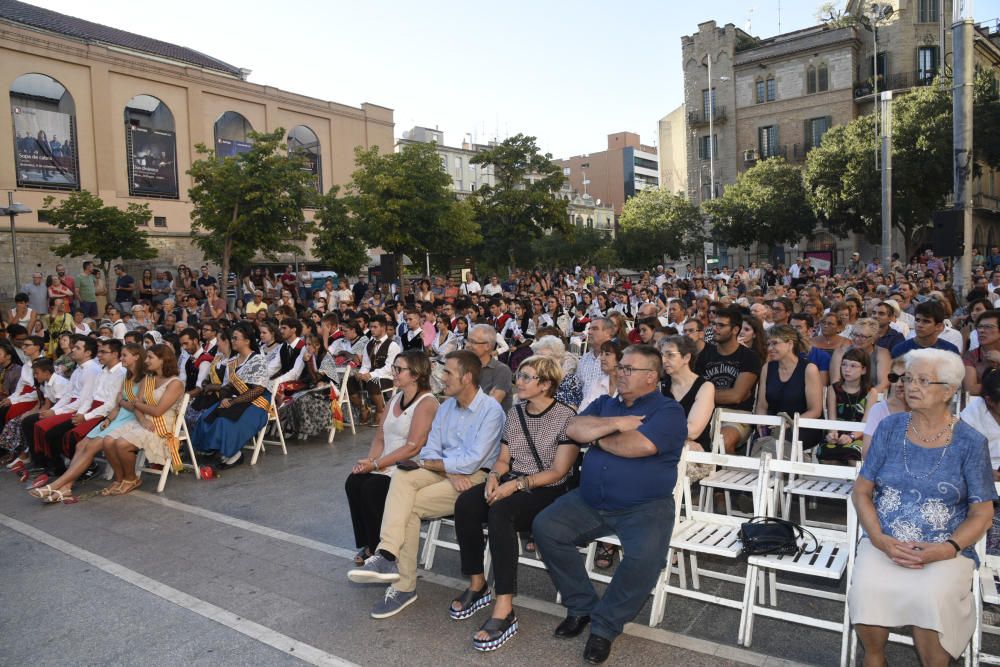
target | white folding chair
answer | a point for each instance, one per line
(987, 592)
(810, 486)
(182, 435)
(743, 479)
(272, 422)
(345, 407)
(433, 540)
(827, 560)
(699, 532)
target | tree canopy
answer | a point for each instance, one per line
(767, 204)
(250, 203)
(106, 233)
(522, 204)
(656, 222)
(337, 241)
(403, 202)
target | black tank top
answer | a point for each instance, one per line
(687, 402)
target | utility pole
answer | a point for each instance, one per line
(963, 35)
(886, 179)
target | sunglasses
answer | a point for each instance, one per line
(894, 378)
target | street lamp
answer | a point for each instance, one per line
(13, 210)
(879, 14)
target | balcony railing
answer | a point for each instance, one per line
(987, 201)
(898, 81)
(698, 118)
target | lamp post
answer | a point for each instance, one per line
(879, 14)
(13, 210)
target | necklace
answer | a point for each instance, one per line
(936, 436)
(906, 458)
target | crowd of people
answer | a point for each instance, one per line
(483, 394)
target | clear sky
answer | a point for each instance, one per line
(566, 72)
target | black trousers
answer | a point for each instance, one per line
(53, 438)
(504, 519)
(28, 438)
(366, 493)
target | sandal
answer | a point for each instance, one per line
(469, 602)
(128, 486)
(111, 490)
(605, 556)
(362, 555)
(499, 630)
(42, 492)
(56, 496)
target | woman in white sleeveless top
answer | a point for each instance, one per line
(400, 436)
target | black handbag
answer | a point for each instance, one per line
(765, 535)
(512, 474)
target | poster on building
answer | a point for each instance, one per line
(231, 147)
(821, 260)
(312, 166)
(45, 153)
(152, 162)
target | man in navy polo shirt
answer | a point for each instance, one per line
(626, 483)
(929, 317)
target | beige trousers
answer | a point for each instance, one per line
(415, 495)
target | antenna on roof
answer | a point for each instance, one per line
(779, 17)
(750, 19)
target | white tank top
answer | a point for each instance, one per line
(395, 429)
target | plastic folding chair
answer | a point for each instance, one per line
(811, 486)
(272, 422)
(828, 559)
(699, 532)
(344, 401)
(183, 437)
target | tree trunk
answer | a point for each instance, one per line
(398, 257)
(227, 252)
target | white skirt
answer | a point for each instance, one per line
(937, 597)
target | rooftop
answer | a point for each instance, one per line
(86, 31)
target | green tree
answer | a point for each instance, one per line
(522, 204)
(581, 245)
(767, 204)
(656, 222)
(986, 119)
(105, 233)
(250, 203)
(402, 202)
(337, 241)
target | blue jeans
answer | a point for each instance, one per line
(644, 531)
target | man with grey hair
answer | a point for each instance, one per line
(593, 379)
(38, 294)
(495, 379)
(762, 311)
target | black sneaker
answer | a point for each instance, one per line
(91, 472)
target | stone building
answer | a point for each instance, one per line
(466, 177)
(119, 114)
(672, 151)
(615, 174)
(778, 96)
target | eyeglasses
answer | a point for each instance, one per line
(398, 369)
(894, 378)
(628, 370)
(921, 382)
(986, 327)
(524, 377)
(861, 336)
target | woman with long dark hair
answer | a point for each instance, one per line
(228, 425)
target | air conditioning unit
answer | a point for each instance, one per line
(749, 155)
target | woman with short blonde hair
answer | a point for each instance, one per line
(864, 336)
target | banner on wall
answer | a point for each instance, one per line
(45, 150)
(312, 166)
(231, 148)
(152, 162)
(821, 260)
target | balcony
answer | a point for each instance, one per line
(898, 81)
(986, 201)
(699, 118)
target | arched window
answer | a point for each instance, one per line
(824, 78)
(45, 142)
(303, 141)
(232, 134)
(151, 148)
(579, 220)
(590, 223)
(810, 80)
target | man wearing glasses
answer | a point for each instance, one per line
(627, 479)
(928, 320)
(986, 357)
(495, 379)
(695, 330)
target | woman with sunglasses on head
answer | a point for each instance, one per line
(529, 474)
(864, 334)
(400, 435)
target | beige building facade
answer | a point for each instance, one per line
(672, 151)
(776, 97)
(135, 108)
(466, 177)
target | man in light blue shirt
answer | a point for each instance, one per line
(463, 444)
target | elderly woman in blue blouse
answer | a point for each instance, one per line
(229, 424)
(924, 497)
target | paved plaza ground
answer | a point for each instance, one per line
(251, 568)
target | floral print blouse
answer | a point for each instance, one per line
(927, 502)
